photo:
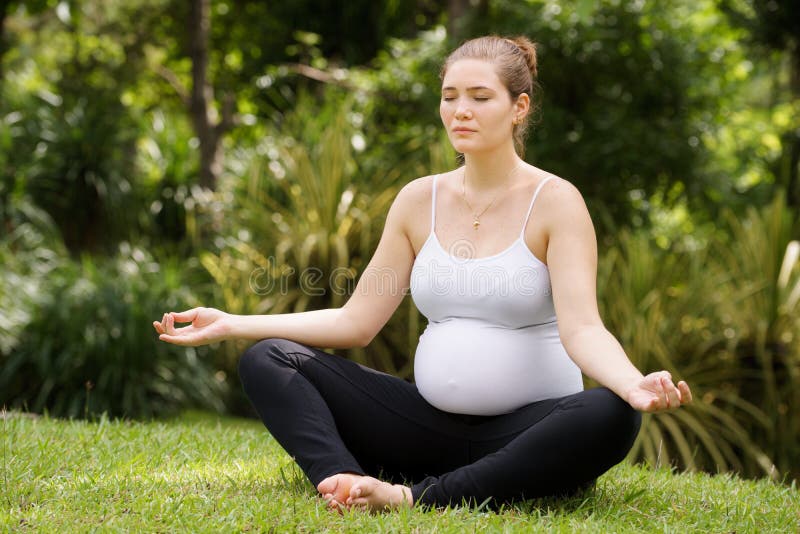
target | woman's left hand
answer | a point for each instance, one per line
(656, 393)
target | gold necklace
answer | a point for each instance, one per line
(476, 218)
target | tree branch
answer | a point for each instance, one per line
(318, 74)
(176, 84)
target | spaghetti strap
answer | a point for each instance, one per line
(530, 208)
(433, 204)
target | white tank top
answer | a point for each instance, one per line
(491, 344)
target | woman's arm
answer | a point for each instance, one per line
(320, 328)
(377, 295)
(572, 262)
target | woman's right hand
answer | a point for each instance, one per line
(208, 325)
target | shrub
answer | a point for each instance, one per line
(89, 346)
(30, 249)
(761, 262)
(301, 219)
(663, 307)
(724, 317)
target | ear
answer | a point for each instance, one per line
(522, 106)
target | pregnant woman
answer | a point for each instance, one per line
(501, 258)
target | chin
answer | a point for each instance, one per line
(463, 148)
(468, 149)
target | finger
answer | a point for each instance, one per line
(185, 316)
(158, 327)
(654, 382)
(673, 395)
(686, 393)
(170, 325)
(661, 393)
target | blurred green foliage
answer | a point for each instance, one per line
(300, 218)
(29, 252)
(677, 120)
(76, 338)
(724, 317)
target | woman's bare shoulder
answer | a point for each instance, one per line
(559, 193)
(412, 205)
(554, 183)
(417, 193)
(418, 185)
(563, 207)
(423, 185)
(559, 203)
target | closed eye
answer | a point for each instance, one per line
(477, 98)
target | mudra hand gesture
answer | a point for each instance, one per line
(208, 325)
(656, 392)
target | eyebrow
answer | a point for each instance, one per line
(475, 88)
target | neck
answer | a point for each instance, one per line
(488, 171)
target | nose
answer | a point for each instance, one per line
(462, 111)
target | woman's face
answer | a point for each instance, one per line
(476, 108)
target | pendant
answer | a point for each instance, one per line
(476, 223)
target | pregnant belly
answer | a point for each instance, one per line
(471, 367)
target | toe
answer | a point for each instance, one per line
(327, 486)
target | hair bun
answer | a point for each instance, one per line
(529, 51)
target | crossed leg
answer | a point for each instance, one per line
(344, 424)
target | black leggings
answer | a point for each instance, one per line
(333, 416)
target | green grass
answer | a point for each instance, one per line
(202, 473)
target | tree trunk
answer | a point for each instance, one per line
(207, 126)
(456, 11)
(5, 7)
(467, 17)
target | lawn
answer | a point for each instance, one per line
(203, 473)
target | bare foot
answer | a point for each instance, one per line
(375, 495)
(336, 489)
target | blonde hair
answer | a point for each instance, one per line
(515, 61)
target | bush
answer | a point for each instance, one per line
(663, 306)
(89, 346)
(30, 249)
(723, 317)
(763, 269)
(298, 220)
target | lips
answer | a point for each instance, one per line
(462, 130)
